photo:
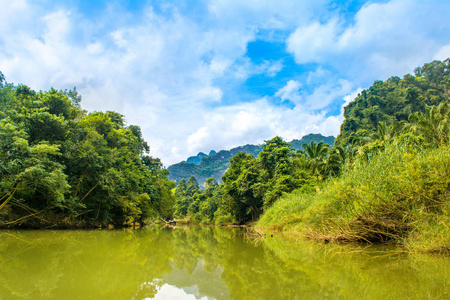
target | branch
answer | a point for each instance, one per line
(10, 196)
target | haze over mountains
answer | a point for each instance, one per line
(215, 164)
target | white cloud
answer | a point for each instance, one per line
(244, 68)
(388, 38)
(94, 48)
(443, 53)
(313, 42)
(326, 93)
(219, 65)
(166, 71)
(8, 13)
(260, 120)
(320, 98)
(274, 68)
(290, 91)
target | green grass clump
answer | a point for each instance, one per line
(399, 195)
(288, 210)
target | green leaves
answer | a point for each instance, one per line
(393, 100)
(68, 167)
(434, 124)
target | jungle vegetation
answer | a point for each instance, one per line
(215, 164)
(63, 167)
(386, 179)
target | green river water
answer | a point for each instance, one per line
(208, 263)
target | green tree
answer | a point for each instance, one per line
(316, 156)
(62, 166)
(393, 100)
(433, 125)
(238, 183)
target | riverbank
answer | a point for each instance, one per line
(400, 195)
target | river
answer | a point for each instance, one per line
(208, 263)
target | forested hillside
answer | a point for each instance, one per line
(63, 167)
(396, 188)
(393, 100)
(215, 164)
(208, 165)
(387, 178)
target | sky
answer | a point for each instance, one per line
(212, 75)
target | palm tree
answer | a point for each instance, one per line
(316, 155)
(434, 124)
(386, 132)
(339, 157)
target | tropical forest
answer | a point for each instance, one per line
(385, 179)
(63, 167)
(224, 150)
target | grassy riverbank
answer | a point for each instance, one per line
(399, 195)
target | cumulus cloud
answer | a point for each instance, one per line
(261, 120)
(169, 70)
(314, 42)
(443, 53)
(387, 38)
(290, 91)
(317, 99)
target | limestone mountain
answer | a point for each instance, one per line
(215, 164)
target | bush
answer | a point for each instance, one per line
(399, 195)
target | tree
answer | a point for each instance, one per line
(434, 124)
(62, 166)
(316, 155)
(185, 193)
(238, 183)
(393, 100)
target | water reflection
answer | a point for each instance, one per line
(207, 263)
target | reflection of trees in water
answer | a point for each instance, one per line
(149, 289)
(219, 261)
(81, 264)
(278, 269)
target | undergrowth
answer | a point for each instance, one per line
(399, 195)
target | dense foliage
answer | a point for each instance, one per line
(215, 164)
(399, 194)
(60, 166)
(250, 185)
(398, 186)
(386, 179)
(393, 100)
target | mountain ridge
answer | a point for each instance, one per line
(215, 164)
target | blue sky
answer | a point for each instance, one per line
(203, 75)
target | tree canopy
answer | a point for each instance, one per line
(393, 100)
(61, 166)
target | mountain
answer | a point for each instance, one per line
(215, 164)
(312, 137)
(196, 159)
(393, 100)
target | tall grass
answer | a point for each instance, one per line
(399, 195)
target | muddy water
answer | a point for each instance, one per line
(208, 263)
